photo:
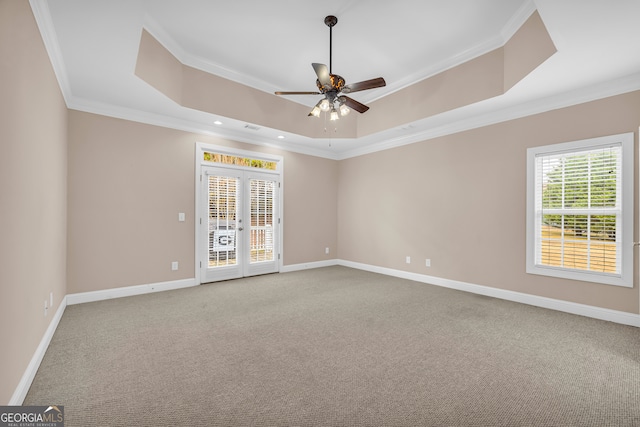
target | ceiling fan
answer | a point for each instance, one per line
(333, 86)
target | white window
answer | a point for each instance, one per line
(580, 210)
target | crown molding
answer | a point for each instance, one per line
(517, 21)
(460, 58)
(197, 127)
(435, 69)
(164, 38)
(379, 142)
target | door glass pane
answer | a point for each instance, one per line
(223, 214)
(262, 199)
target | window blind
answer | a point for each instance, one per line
(578, 209)
(223, 212)
(262, 200)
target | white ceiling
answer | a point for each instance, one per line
(270, 45)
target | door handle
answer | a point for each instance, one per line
(240, 228)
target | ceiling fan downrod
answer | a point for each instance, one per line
(330, 21)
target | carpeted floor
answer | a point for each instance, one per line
(336, 347)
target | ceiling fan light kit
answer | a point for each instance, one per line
(333, 86)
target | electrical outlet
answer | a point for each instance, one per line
(326, 250)
(181, 216)
(174, 265)
(408, 260)
(51, 299)
(428, 262)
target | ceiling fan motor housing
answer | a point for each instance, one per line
(337, 83)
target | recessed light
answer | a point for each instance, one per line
(217, 122)
(280, 136)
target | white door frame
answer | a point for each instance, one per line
(201, 148)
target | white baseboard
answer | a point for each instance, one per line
(128, 291)
(538, 301)
(308, 265)
(30, 373)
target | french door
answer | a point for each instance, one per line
(238, 223)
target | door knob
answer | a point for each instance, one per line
(240, 228)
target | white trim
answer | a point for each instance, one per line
(615, 316)
(294, 143)
(489, 45)
(30, 373)
(377, 142)
(308, 265)
(200, 63)
(435, 69)
(127, 291)
(196, 215)
(517, 21)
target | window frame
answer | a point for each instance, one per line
(625, 278)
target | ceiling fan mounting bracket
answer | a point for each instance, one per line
(330, 21)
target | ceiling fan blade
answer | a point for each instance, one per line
(298, 93)
(323, 74)
(364, 85)
(355, 105)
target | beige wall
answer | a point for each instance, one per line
(529, 47)
(33, 173)
(460, 201)
(310, 209)
(127, 183)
